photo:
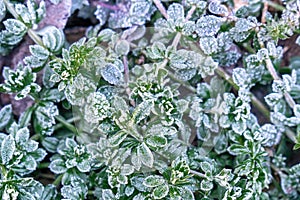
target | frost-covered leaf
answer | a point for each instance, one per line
(145, 155)
(107, 194)
(50, 144)
(208, 25)
(297, 110)
(117, 138)
(206, 185)
(156, 141)
(112, 74)
(142, 111)
(15, 26)
(5, 116)
(53, 38)
(206, 167)
(38, 58)
(216, 8)
(58, 166)
(175, 12)
(122, 47)
(236, 149)
(153, 181)
(2, 10)
(49, 192)
(161, 191)
(156, 51)
(8, 147)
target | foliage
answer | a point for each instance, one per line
(172, 112)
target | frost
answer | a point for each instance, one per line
(5, 116)
(175, 13)
(112, 74)
(216, 8)
(97, 108)
(208, 25)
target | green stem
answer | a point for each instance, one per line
(66, 124)
(73, 119)
(57, 181)
(44, 165)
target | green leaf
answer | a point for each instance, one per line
(15, 26)
(206, 185)
(145, 155)
(8, 147)
(117, 138)
(5, 116)
(157, 141)
(161, 191)
(142, 111)
(58, 166)
(153, 181)
(53, 38)
(49, 192)
(206, 167)
(237, 149)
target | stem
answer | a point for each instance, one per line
(126, 70)
(264, 12)
(73, 119)
(11, 9)
(66, 124)
(275, 76)
(44, 165)
(56, 182)
(227, 77)
(37, 39)
(198, 174)
(190, 13)
(291, 135)
(161, 8)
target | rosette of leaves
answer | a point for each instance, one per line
(20, 81)
(72, 158)
(19, 154)
(175, 22)
(80, 54)
(236, 111)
